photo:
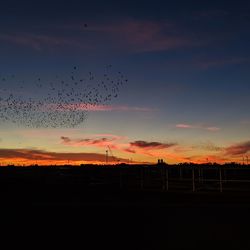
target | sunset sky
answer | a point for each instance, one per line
(187, 62)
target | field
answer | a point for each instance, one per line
(124, 207)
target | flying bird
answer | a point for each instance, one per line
(59, 103)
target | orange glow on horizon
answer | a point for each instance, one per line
(26, 162)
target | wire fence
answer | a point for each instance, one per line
(177, 178)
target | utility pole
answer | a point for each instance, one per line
(107, 152)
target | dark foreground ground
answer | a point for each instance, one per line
(42, 210)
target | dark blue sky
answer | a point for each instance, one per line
(187, 62)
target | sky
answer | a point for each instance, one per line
(187, 65)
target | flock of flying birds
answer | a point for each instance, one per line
(57, 103)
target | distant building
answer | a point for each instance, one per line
(161, 161)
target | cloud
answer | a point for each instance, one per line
(102, 142)
(150, 36)
(142, 35)
(216, 63)
(207, 158)
(184, 126)
(238, 149)
(65, 139)
(117, 143)
(129, 150)
(38, 42)
(209, 146)
(96, 108)
(151, 145)
(213, 129)
(144, 147)
(128, 34)
(190, 126)
(52, 157)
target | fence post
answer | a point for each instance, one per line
(220, 180)
(120, 177)
(199, 173)
(167, 184)
(193, 178)
(142, 178)
(163, 178)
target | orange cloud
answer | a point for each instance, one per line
(208, 158)
(209, 146)
(115, 142)
(32, 156)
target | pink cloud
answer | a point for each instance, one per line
(130, 34)
(184, 126)
(95, 108)
(189, 126)
(213, 129)
(238, 149)
(143, 35)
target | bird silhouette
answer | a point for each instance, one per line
(61, 102)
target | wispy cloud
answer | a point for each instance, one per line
(194, 126)
(147, 148)
(96, 108)
(38, 42)
(142, 35)
(217, 63)
(45, 157)
(103, 142)
(151, 36)
(209, 146)
(151, 145)
(129, 34)
(181, 125)
(238, 149)
(118, 143)
(207, 158)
